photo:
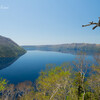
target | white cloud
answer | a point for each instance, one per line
(2, 7)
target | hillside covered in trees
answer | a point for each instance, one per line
(84, 47)
(8, 48)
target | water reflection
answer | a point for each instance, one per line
(97, 58)
(5, 62)
(29, 66)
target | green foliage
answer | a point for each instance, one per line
(28, 96)
(3, 84)
(57, 83)
(89, 96)
(52, 84)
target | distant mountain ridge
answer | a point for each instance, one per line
(66, 47)
(9, 48)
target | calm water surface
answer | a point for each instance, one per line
(28, 66)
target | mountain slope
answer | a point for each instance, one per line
(8, 48)
(66, 47)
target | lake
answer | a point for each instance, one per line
(29, 66)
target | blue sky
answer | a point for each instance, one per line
(40, 22)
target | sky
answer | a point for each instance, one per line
(42, 22)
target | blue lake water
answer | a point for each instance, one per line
(28, 66)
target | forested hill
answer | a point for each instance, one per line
(66, 47)
(8, 48)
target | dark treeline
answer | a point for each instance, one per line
(66, 48)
